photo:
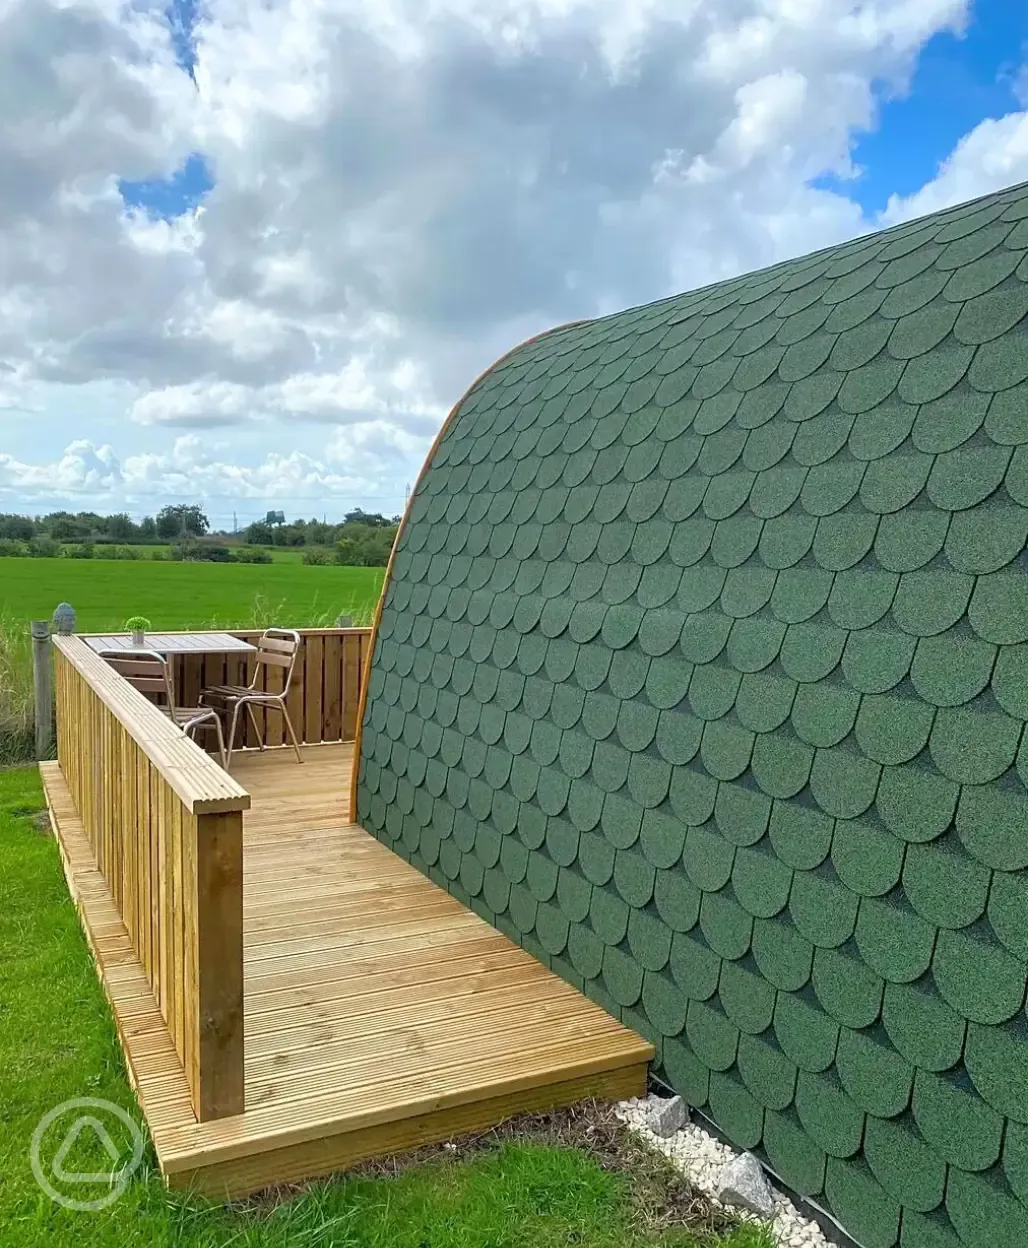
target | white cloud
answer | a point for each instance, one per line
(993, 155)
(402, 191)
(88, 476)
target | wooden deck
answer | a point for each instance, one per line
(379, 1013)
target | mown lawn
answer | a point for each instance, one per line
(57, 1042)
(105, 592)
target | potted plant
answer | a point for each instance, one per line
(137, 626)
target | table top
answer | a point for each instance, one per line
(175, 643)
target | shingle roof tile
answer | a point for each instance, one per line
(860, 1202)
(701, 672)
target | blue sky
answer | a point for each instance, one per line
(958, 82)
(376, 230)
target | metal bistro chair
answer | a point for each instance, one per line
(150, 673)
(277, 648)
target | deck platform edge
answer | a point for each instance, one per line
(332, 1153)
(235, 1169)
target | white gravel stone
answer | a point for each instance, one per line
(703, 1159)
(742, 1183)
(667, 1117)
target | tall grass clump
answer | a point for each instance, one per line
(267, 613)
(16, 701)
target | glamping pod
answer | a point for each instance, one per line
(701, 671)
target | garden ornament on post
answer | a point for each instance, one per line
(64, 619)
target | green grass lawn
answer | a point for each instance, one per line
(105, 592)
(57, 1042)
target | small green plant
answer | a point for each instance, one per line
(137, 625)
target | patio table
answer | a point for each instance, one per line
(175, 643)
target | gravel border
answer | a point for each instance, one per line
(701, 1157)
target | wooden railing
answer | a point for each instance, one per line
(166, 828)
(326, 689)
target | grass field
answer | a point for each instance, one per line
(105, 592)
(57, 1042)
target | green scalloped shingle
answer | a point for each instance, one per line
(1008, 910)
(792, 1153)
(984, 1210)
(828, 1114)
(665, 1004)
(736, 1111)
(685, 1071)
(904, 1162)
(915, 801)
(867, 857)
(726, 925)
(766, 1070)
(945, 885)
(874, 1074)
(922, 1026)
(958, 1124)
(995, 1060)
(807, 1035)
(875, 661)
(991, 823)
(695, 966)
(712, 1034)
(893, 938)
(849, 989)
(860, 1202)
(702, 674)
(977, 976)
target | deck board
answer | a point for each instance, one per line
(380, 1013)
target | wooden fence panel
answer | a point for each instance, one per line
(325, 694)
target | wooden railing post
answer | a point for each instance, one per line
(217, 1087)
(42, 688)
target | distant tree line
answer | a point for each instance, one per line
(362, 539)
(169, 525)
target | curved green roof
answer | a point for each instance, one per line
(702, 671)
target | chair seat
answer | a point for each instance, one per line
(225, 692)
(184, 716)
(236, 693)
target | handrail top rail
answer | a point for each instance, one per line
(197, 779)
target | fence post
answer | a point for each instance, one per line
(215, 1069)
(42, 688)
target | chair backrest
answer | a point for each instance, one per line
(278, 648)
(145, 670)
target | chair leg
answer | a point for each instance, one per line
(216, 721)
(256, 727)
(292, 731)
(231, 743)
